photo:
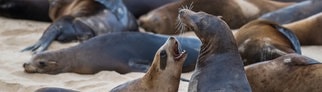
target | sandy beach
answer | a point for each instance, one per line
(17, 34)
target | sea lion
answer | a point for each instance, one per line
(219, 67)
(235, 12)
(262, 40)
(83, 19)
(122, 52)
(164, 73)
(308, 30)
(25, 9)
(54, 89)
(294, 12)
(288, 73)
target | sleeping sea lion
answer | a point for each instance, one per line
(262, 40)
(308, 30)
(294, 12)
(122, 52)
(80, 20)
(288, 73)
(235, 12)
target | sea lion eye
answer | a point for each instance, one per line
(163, 59)
(163, 53)
(42, 63)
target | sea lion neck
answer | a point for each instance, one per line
(216, 43)
(155, 76)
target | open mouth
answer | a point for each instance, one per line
(177, 53)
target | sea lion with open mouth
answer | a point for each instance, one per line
(164, 73)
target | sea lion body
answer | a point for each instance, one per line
(25, 9)
(122, 52)
(236, 12)
(308, 30)
(261, 40)
(294, 12)
(288, 73)
(80, 20)
(164, 73)
(219, 67)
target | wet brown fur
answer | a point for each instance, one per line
(75, 8)
(162, 20)
(289, 73)
(260, 41)
(308, 30)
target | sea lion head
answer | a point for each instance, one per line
(159, 21)
(201, 23)
(45, 62)
(169, 57)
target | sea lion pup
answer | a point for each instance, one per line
(235, 12)
(79, 20)
(164, 73)
(308, 30)
(122, 52)
(288, 73)
(294, 12)
(25, 9)
(261, 40)
(219, 67)
(54, 89)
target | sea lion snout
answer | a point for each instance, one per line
(29, 68)
(174, 49)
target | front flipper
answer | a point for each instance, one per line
(291, 37)
(46, 39)
(139, 65)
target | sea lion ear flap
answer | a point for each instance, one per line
(220, 17)
(301, 61)
(52, 62)
(291, 37)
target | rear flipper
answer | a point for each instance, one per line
(43, 43)
(62, 30)
(291, 37)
